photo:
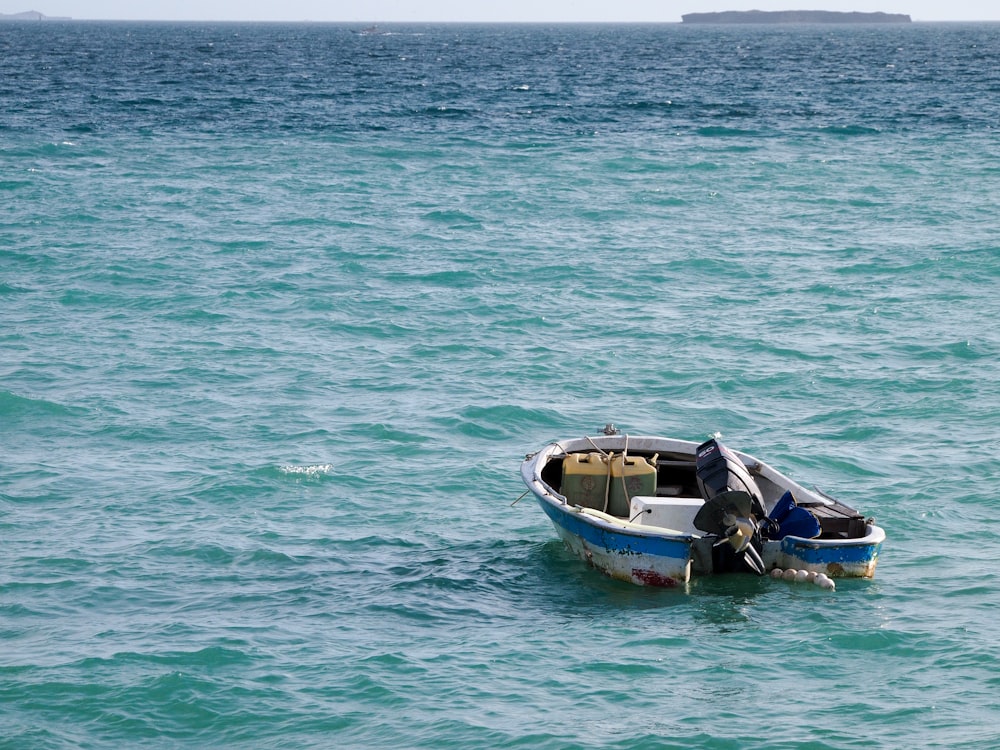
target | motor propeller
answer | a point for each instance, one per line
(730, 516)
(739, 533)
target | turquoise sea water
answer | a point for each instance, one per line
(283, 307)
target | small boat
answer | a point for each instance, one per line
(657, 511)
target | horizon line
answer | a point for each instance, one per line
(14, 17)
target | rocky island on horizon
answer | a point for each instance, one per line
(794, 16)
(31, 15)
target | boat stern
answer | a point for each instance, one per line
(838, 558)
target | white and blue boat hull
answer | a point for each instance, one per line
(626, 554)
(649, 554)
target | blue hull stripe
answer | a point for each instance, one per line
(847, 553)
(629, 543)
(622, 542)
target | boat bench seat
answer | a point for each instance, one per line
(839, 520)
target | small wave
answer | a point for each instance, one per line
(452, 219)
(6, 288)
(849, 130)
(13, 405)
(451, 279)
(716, 131)
(450, 112)
(309, 472)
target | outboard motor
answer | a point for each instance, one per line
(733, 505)
(719, 470)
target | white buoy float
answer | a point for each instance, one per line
(805, 576)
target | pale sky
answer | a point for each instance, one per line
(387, 11)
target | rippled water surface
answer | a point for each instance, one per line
(282, 308)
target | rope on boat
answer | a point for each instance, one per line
(624, 461)
(607, 484)
(610, 457)
(523, 494)
(599, 450)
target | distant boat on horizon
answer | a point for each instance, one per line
(372, 30)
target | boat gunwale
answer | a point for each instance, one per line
(531, 468)
(532, 465)
(874, 534)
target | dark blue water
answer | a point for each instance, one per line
(525, 81)
(282, 307)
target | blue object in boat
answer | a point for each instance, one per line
(793, 520)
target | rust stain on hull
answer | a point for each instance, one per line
(652, 578)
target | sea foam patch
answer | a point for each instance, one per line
(308, 472)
